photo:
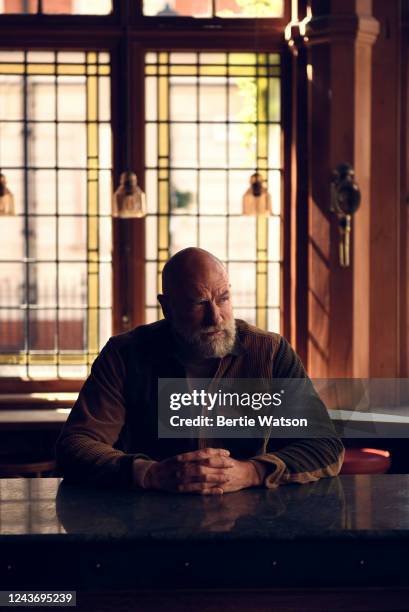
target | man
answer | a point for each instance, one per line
(110, 438)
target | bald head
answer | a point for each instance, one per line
(188, 267)
(196, 302)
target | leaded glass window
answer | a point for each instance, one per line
(55, 253)
(211, 120)
(214, 8)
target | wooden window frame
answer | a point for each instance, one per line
(111, 33)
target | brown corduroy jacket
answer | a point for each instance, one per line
(113, 424)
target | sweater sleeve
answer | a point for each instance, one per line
(301, 460)
(85, 449)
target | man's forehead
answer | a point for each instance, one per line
(202, 288)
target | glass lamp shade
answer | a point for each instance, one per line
(129, 199)
(257, 200)
(6, 198)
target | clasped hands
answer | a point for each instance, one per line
(209, 471)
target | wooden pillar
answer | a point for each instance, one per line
(299, 190)
(386, 203)
(404, 200)
(340, 39)
(128, 234)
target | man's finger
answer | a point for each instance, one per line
(204, 453)
(192, 468)
(209, 475)
(213, 491)
(200, 487)
(218, 462)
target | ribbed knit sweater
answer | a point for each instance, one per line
(110, 437)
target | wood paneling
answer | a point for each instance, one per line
(404, 201)
(339, 302)
(358, 316)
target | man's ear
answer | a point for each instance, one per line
(164, 302)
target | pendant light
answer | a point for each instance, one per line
(257, 200)
(128, 200)
(6, 198)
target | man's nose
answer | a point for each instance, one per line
(214, 316)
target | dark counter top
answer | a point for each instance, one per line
(347, 506)
(335, 531)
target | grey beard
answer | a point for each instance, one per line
(213, 347)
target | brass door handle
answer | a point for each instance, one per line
(345, 201)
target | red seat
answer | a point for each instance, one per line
(366, 461)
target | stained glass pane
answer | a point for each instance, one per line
(11, 226)
(44, 247)
(213, 235)
(12, 279)
(151, 229)
(12, 333)
(183, 232)
(212, 186)
(10, 103)
(177, 8)
(151, 139)
(42, 196)
(151, 288)
(72, 191)
(72, 238)
(183, 99)
(42, 153)
(151, 188)
(213, 99)
(213, 149)
(104, 192)
(105, 239)
(11, 155)
(55, 254)
(72, 145)
(183, 196)
(184, 140)
(243, 283)
(42, 279)
(42, 329)
(274, 284)
(240, 249)
(274, 322)
(12, 57)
